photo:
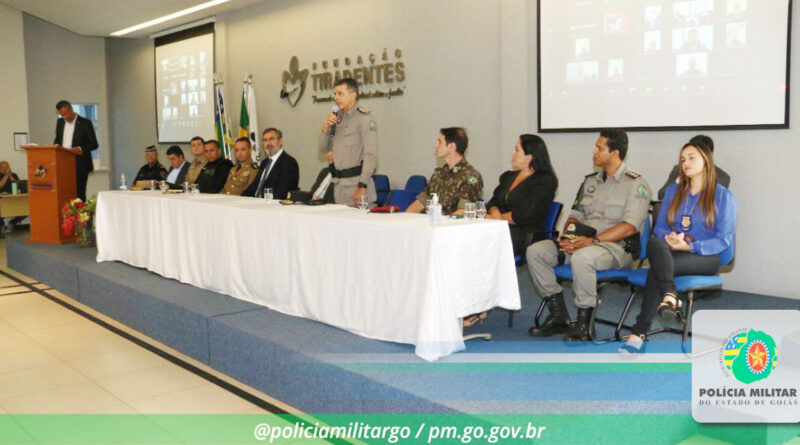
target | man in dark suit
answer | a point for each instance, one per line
(178, 167)
(279, 171)
(73, 131)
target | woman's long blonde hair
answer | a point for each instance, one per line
(707, 192)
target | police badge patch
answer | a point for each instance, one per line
(686, 223)
(471, 180)
(642, 191)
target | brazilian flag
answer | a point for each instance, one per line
(756, 358)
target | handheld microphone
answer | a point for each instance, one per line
(334, 110)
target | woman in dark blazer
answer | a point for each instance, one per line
(524, 194)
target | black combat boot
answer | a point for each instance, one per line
(557, 320)
(579, 331)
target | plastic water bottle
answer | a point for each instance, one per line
(435, 211)
(123, 184)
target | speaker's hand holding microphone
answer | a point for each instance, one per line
(330, 121)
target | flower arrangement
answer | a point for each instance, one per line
(78, 220)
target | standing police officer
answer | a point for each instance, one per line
(613, 201)
(353, 136)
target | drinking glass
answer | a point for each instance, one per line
(480, 209)
(469, 210)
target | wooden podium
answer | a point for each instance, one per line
(51, 183)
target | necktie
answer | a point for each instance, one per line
(260, 188)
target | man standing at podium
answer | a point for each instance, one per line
(73, 131)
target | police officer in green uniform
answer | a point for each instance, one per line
(153, 170)
(245, 171)
(213, 176)
(456, 182)
(353, 136)
(613, 201)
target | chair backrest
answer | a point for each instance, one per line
(416, 183)
(382, 188)
(726, 257)
(402, 198)
(381, 183)
(551, 219)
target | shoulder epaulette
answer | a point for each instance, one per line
(632, 174)
(362, 110)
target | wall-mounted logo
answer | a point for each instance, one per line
(750, 356)
(40, 172)
(293, 82)
(376, 76)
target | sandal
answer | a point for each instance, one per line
(670, 307)
(472, 320)
(633, 346)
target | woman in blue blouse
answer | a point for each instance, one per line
(696, 224)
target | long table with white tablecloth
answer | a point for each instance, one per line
(392, 277)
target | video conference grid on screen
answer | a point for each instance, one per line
(651, 63)
(185, 89)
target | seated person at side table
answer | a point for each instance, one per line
(322, 188)
(214, 174)
(524, 194)
(7, 178)
(695, 225)
(244, 173)
(153, 170)
(613, 201)
(722, 177)
(456, 182)
(178, 167)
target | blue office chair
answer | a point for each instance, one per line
(416, 183)
(401, 198)
(548, 232)
(382, 188)
(604, 278)
(687, 284)
(548, 228)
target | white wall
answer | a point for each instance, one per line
(451, 79)
(472, 63)
(13, 87)
(63, 65)
(132, 107)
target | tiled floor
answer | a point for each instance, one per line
(53, 360)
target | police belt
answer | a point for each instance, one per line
(345, 173)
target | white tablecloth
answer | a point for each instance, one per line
(388, 277)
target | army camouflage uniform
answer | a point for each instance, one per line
(454, 186)
(354, 145)
(240, 178)
(601, 204)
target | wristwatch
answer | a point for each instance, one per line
(595, 240)
(361, 185)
